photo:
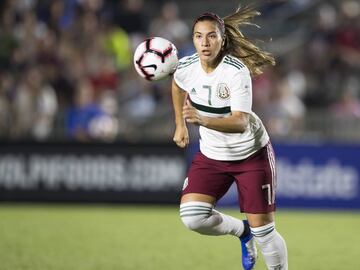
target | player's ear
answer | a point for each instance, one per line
(223, 42)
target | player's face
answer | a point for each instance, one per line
(207, 40)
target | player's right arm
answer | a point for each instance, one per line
(181, 135)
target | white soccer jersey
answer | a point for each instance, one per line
(228, 88)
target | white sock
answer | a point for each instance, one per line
(272, 246)
(202, 218)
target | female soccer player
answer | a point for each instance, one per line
(212, 89)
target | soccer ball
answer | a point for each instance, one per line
(156, 59)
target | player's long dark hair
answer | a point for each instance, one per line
(236, 44)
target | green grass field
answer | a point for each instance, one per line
(66, 237)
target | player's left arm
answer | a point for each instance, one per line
(237, 122)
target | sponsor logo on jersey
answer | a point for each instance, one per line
(222, 91)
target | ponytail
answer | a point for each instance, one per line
(239, 46)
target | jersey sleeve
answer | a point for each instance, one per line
(179, 77)
(241, 92)
(183, 75)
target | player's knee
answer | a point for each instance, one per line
(195, 214)
(193, 223)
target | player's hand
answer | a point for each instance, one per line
(191, 115)
(181, 136)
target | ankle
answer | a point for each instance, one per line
(247, 232)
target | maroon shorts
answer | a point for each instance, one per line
(255, 178)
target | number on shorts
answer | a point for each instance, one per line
(271, 197)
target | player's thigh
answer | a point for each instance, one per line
(256, 194)
(197, 197)
(206, 177)
(256, 181)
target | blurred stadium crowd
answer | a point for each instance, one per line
(66, 70)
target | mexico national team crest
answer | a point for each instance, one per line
(222, 91)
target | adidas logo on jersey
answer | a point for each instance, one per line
(193, 91)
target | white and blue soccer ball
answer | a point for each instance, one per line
(156, 58)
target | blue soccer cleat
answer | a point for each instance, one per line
(249, 251)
